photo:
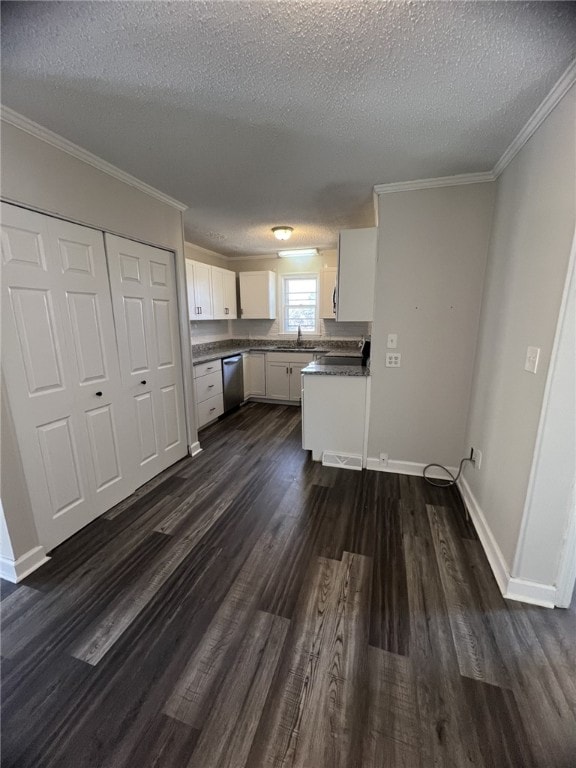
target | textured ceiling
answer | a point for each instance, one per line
(288, 112)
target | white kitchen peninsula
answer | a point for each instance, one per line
(335, 402)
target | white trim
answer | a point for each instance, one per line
(493, 552)
(405, 468)
(44, 134)
(560, 88)
(439, 181)
(566, 578)
(194, 449)
(16, 570)
(531, 592)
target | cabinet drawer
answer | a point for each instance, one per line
(208, 386)
(210, 409)
(203, 368)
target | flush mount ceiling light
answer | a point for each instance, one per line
(298, 252)
(282, 233)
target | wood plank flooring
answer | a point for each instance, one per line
(253, 609)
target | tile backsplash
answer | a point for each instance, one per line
(210, 331)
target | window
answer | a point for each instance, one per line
(299, 304)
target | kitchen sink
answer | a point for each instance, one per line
(297, 349)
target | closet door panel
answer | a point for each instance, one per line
(59, 351)
(100, 400)
(143, 285)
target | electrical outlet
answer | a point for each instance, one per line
(477, 457)
(392, 342)
(384, 459)
(393, 359)
(531, 362)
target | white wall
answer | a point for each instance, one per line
(527, 266)
(432, 248)
(40, 176)
(551, 500)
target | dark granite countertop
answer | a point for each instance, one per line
(315, 369)
(207, 356)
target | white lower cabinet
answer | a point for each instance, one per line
(208, 389)
(283, 374)
(334, 415)
(254, 374)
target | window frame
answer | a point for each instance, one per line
(301, 276)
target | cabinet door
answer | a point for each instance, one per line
(218, 293)
(60, 363)
(202, 291)
(356, 274)
(143, 285)
(230, 301)
(278, 380)
(192, 308)
(328, 279)
(258, 295)
(256, 365)
(296, 380)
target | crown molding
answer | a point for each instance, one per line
(560, 88)
(11, 117)
(440, 181)
(255, 257)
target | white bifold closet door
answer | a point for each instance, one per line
(78, 341)
(60, 364)
(146, 316)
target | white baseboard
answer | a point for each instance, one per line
(407, 468)
(531, 592)
(492, 550)
(194, 449)
(511, 587)
(16, 570)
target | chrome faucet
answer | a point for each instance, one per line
(299, 337)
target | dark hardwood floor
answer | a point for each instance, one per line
(253, 608)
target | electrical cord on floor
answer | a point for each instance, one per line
(446, 483)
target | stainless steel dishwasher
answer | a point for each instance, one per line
(233, 382)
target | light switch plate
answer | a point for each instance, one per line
(392, 342)
(532, 357)
(393, 359)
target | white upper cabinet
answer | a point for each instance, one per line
(230, 301)
(211, 292)
(328, 280)
(218, 294)
(258, 295)
(356, 274)
(199, 287)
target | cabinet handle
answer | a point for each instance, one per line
(286, 370)
(200, 311)
(290, 370)
(143, 381)
(98, 394)
(212, 409)
(210, 386)
(226, 311)
(209, 367)
(334, 300)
